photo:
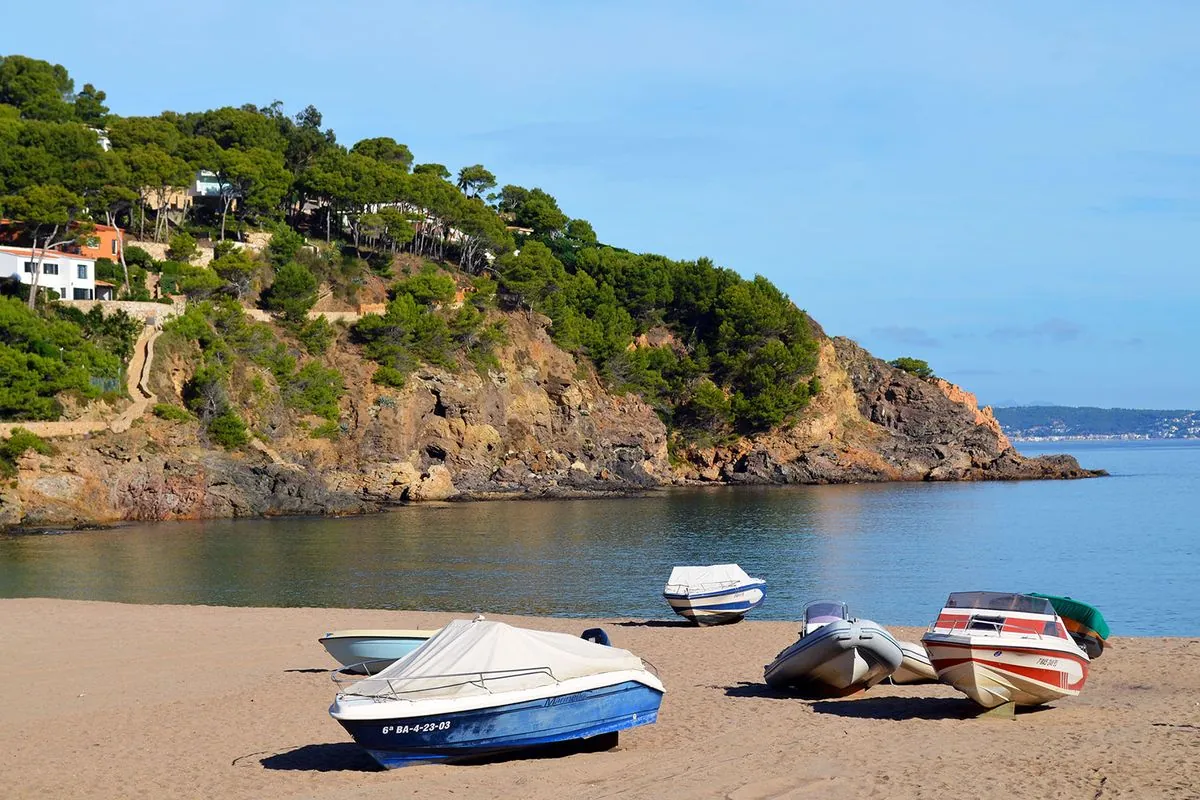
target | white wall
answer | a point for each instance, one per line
(65, 282)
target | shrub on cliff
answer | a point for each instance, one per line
(16, 445)
(228, 430)
(314, 389)
(292, 294)
(420, 326)
(913, 366)
(171, 412)
(182, 247)
(316, 335)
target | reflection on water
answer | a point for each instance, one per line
(894, 552)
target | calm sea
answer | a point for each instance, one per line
(1127, 543)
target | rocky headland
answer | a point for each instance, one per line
(541, 425)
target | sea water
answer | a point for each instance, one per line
(1127, 544)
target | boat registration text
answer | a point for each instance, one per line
(421, 727)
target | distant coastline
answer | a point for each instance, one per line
(1126, 437)
(1083, 423)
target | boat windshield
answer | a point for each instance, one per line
(1000, 601)
(823, 612)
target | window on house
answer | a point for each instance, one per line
(49, 269)
(114, 247)
(29, 265)
(83, 271)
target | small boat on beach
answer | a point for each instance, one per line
(362, 651)
(836, 654)
(713, 595)
(915, 666)
(481, 688)
(999, 648)
(1084, 622)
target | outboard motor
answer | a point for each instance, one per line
(596, 635)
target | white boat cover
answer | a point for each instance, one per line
(484, 657)
(685, 580)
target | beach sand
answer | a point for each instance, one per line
(108, 700)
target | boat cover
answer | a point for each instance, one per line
(484, 657)
(697, 579)
(1082, 612)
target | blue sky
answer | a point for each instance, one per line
(1010, 190)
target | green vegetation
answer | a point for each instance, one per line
(422, 326)
(16, 445)
(715, 353)
(743, 338)
(171, 412)
(239, 358)
(45, 354)
(292, 294)
(913, 366)
(182, 247)
(228, 430)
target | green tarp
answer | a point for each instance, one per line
(1079, 611)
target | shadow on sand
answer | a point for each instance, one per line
(310, 670)
(747, 689)
(901, 708)
(332, 757)
(349, 757)
(657, 623)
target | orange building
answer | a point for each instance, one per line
(107, 240)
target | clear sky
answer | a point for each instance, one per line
(1010, 190)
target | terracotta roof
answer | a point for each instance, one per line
(50, 254)
(104, 283)
(97, 225)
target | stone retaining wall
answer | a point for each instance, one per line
(145, 311)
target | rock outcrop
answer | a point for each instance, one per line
(539, 425)
(873, 422)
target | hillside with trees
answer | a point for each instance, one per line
(382, 329)
(739, 356)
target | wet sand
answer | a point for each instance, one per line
(105, 700)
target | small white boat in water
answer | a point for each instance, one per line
(836, 654)
(715, 594)
(999, 647)
(915, 666)
(372, 650)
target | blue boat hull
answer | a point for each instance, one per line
(487, 732)
(720, 607)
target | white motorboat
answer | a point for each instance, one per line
(715, 594)
(836, 654)
(915, 666)
(999, 648)
(364, 651)
(479, 688)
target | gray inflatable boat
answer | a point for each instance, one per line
(836, 654)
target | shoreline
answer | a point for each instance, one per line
(182, 700)
(552, 494)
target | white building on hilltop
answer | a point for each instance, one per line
(72, 276)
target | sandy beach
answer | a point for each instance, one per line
(104, 700)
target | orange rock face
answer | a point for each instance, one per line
(983, 416)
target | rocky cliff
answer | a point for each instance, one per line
(541, 425)
(872, 422)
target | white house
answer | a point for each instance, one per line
(72, 276)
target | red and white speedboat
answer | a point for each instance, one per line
(999, 648)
